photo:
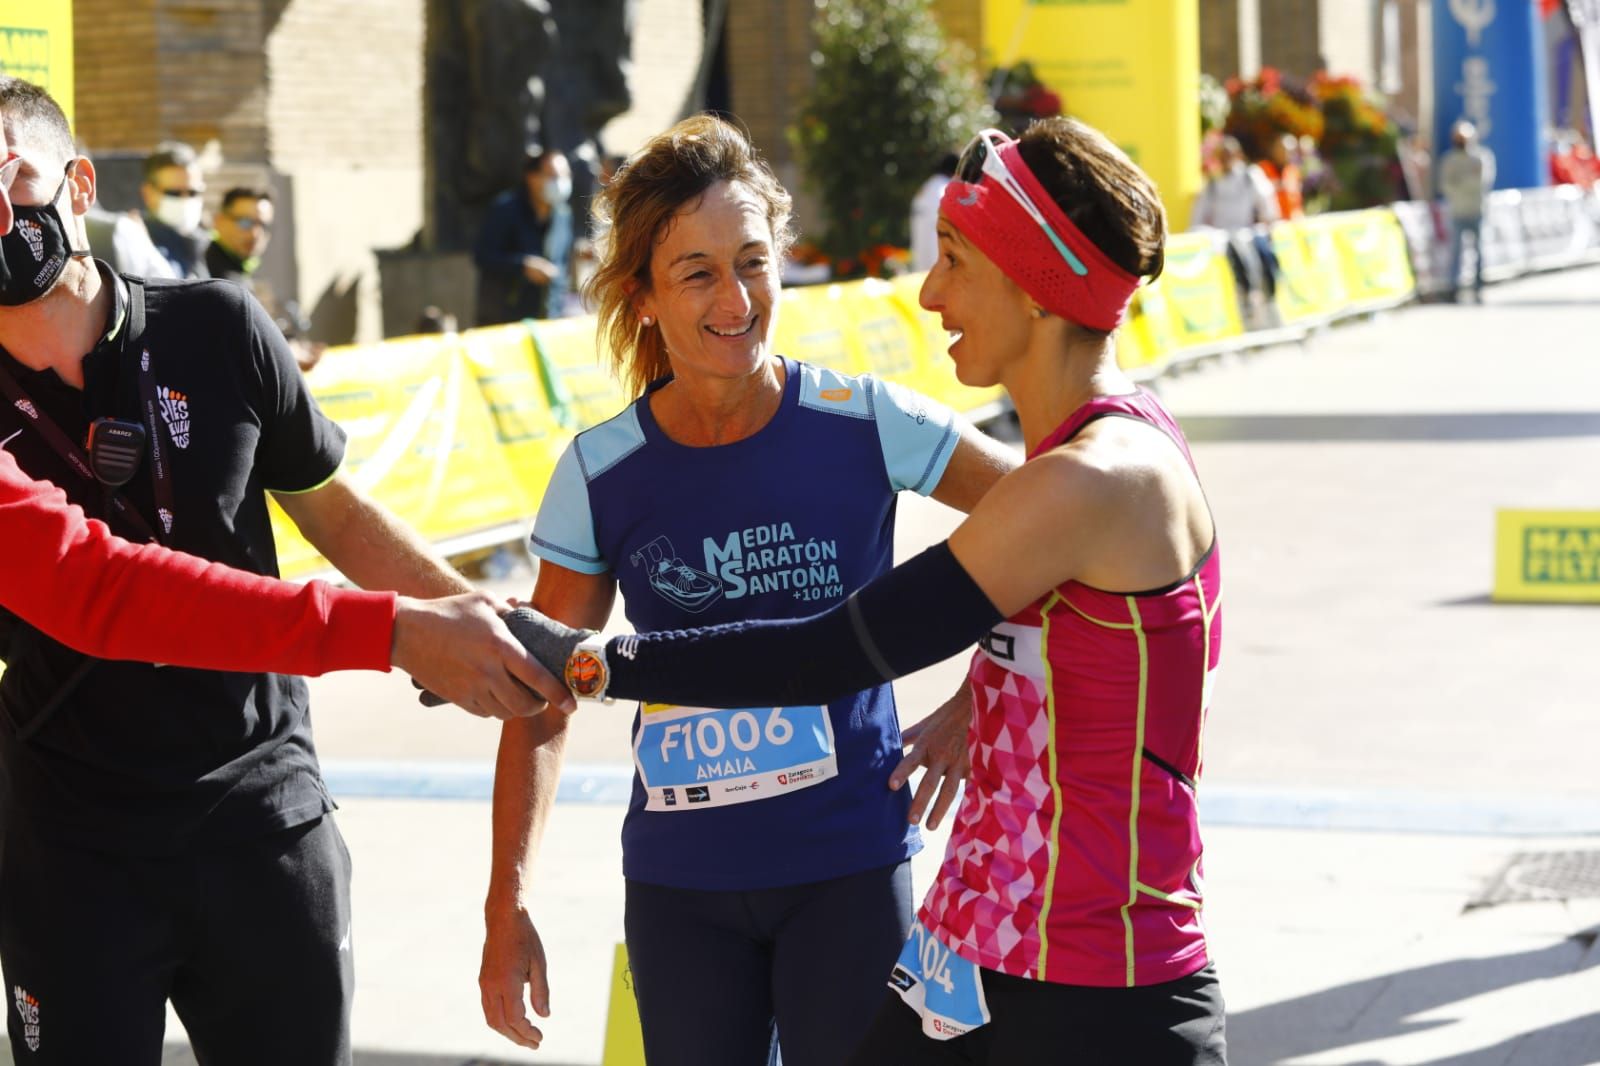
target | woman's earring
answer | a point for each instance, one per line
(647, 321)
(1039, 312)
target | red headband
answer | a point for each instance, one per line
(991, 218)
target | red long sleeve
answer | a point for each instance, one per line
(70, 577)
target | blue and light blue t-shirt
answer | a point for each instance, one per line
(782, 524)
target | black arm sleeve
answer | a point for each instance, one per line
(923, 611)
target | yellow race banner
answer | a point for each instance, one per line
(581, 391)
(935, 372)
(1373, 258)
(1198, 291)
(1129, 67)
(813, 327)
(1306, 291)
(36, 45)
(506, 367)
(1547, 556)
(421, 441)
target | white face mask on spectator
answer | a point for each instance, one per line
(182, 213)
(557, 190)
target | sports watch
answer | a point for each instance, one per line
(586, 672)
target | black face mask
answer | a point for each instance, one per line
(35, 252)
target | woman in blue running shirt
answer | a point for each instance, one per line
(765, 852)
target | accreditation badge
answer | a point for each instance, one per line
(695, 758)
(944, 989)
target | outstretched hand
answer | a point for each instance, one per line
(459, 648)
(938, 744)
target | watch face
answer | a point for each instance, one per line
(586, 673)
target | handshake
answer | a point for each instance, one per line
(552, 645)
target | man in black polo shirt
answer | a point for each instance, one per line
(164, 832)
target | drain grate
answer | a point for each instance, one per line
(1543, 875)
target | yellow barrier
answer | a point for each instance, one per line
(1197, 288)
(1373, 258)
(421, 441)
(1305, 291)
(581, 391)
(934, 373)
(1547, 556)
(878, 327)
(506, 367)
(813, 327)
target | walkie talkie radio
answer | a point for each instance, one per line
(115, 450)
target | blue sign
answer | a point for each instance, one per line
(1488, 68)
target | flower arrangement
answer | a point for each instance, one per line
(877, 261)
(1354, 135)
(1268, 106)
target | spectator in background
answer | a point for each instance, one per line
(524, 250)
(1240, 200)
(174, 191)
(1282, 169)
(1466, 175)
(925, 214)
(240, 233)
(121, 240)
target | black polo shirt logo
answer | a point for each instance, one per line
(175, 413)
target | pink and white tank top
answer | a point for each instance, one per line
(1075, 856)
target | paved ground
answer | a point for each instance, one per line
(1384, 739)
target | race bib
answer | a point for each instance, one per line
(942, 987)
(693, 758)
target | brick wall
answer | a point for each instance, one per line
(150, 70)
(115, 70)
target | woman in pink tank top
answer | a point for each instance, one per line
(1066, 923)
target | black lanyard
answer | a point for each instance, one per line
(73, 454)
(160, 468)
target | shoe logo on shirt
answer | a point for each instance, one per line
(675, 580)
(27, 408)
(28, 1012)
(174, 407)
(33, 234)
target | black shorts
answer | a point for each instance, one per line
(250, 941)
(715, 972)
(1040, 1023)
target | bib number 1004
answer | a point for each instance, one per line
(708, 736)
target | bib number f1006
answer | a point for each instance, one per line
(691, 758)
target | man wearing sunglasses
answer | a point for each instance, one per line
(174, 192)
(240, 233)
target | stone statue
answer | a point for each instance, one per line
(503, 76)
